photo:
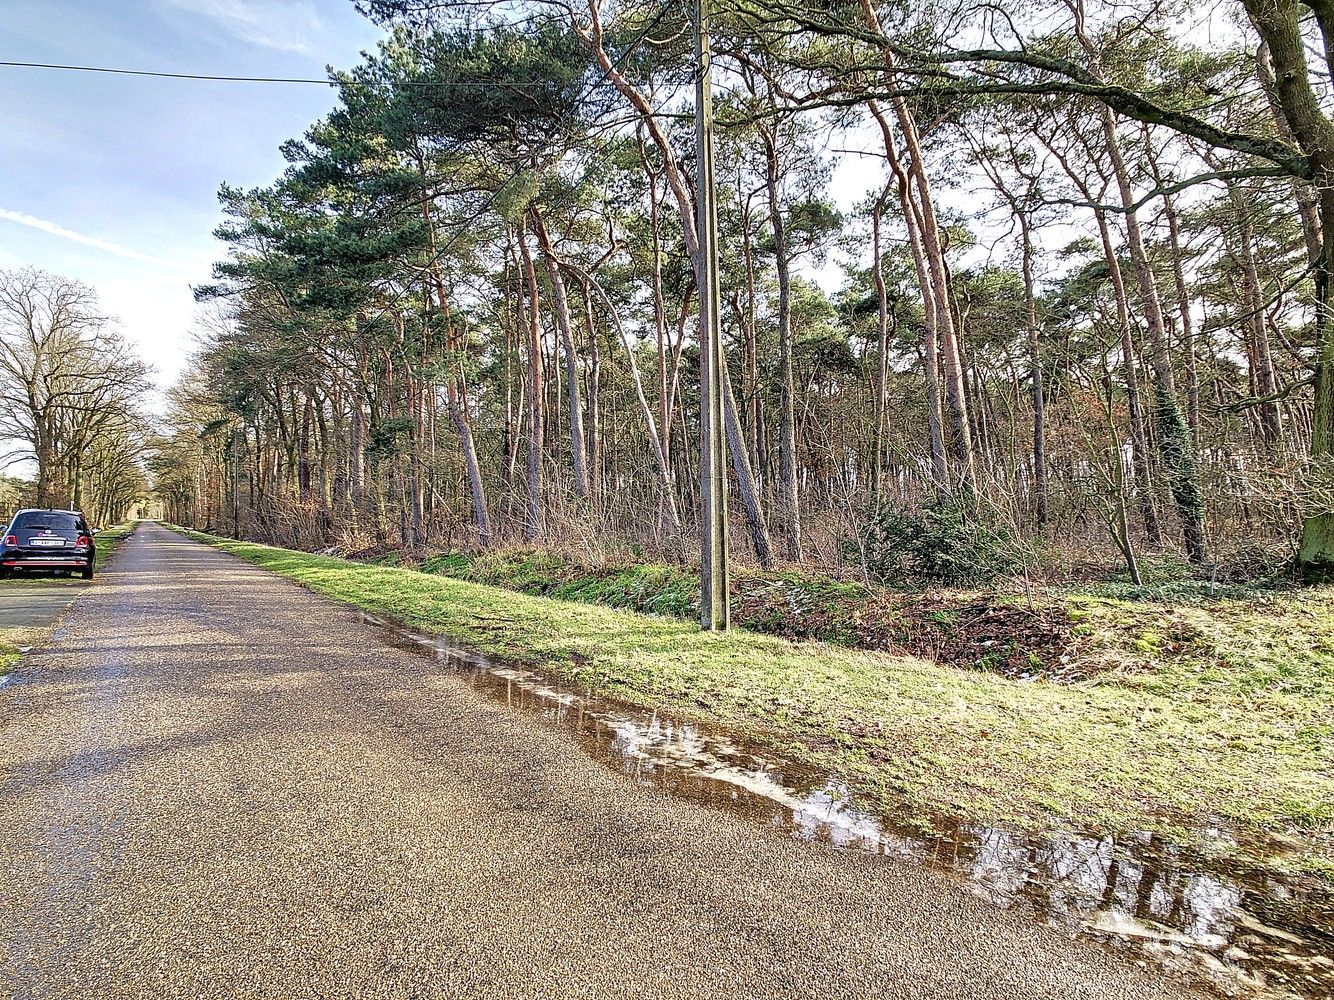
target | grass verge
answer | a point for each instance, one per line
(108, 538)
(1240, 734)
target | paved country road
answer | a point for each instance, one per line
(36, 602)
(215, 784)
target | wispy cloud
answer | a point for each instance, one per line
(32, 222)
(285, 25)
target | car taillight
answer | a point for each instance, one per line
(83, 540)
(12, 540)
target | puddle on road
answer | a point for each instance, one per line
(1245, 932)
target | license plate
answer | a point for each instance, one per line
(47, 541)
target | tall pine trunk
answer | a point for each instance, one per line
(789, 502)
(561, 298)
(535, 399)
(1175, 443)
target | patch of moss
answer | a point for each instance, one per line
(1320, 867)
(1312, 814)
(659, 590)
(1149, 642)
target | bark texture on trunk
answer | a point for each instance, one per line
(1279, 24)
(533, 452)
(1175, 444)
(789, 502)
(561, 299)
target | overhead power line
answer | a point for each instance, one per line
(310, 81)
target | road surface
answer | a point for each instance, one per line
(215, 784)
(36, 602)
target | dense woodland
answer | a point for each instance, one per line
(1061, 268)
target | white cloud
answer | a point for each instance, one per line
(33, 222)
(285, 25)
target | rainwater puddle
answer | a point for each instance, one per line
(1243, 931)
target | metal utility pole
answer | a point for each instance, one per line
(713, 604)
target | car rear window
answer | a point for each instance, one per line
(55, 522)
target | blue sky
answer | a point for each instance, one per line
(113, 180)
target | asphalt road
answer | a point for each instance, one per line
(36, 602)
(216, 784)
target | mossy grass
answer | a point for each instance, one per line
(1215, 711)
(14, 642)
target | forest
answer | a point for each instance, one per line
(1009, 329)
(1046, 285)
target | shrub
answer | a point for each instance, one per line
(945, 544)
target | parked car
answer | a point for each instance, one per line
(48, 540)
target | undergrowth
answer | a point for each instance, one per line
(973, 630)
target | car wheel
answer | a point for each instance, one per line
(87, 574)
